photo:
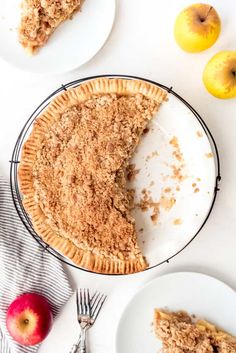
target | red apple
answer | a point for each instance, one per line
(29, 319)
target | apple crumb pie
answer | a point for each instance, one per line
(180, 333)
(72, 172)
(40, 18)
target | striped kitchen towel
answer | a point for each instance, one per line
(25, 267)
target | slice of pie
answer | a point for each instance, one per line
(40, 18)
(180, 333)
(72, 172)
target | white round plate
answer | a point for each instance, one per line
(74, 42)
(198, 294)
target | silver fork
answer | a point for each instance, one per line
(87, 313)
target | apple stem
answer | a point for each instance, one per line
(26, 321)
(211, 7)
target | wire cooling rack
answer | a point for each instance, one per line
(15, 160)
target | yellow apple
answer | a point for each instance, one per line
(219, 75)
(197, 27)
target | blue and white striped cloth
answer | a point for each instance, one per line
(25, 267)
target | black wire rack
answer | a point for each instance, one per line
(15, 160)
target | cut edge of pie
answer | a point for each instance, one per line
(39, 19)
(67, 99)
(167, 322)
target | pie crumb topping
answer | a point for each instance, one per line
(40, 18)
(79, 172)
(181, 333)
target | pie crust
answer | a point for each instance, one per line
(40, 18)
(76, 196)
(181, 333)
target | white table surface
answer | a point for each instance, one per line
(141, 43)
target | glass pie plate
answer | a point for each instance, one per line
(177, 171)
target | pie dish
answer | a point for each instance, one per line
(181, 333)
(73, 172)
(40, 18)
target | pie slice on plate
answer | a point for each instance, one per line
(72, 172)
(180, 333)
(40, 18)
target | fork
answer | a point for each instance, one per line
(87, 313)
